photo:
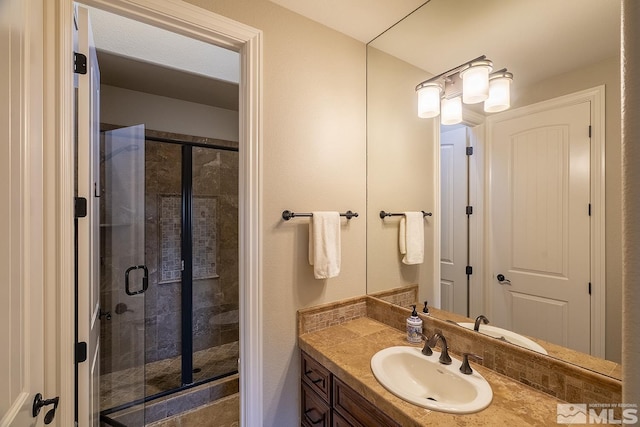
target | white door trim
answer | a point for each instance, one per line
(193, 22)
(596, 96)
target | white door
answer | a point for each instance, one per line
(540, 234)
(21, 217)
(453, 220)
(88, 245)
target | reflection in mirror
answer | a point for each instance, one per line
(550, 57)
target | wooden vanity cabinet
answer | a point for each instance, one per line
(327, 401)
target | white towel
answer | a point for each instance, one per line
(411, 237)
(324, 244)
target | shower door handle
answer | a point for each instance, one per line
(145, 280)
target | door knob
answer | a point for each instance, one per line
(503, 280)
(39, 402)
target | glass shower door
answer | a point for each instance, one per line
(125, 276)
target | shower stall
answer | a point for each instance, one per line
(169, 270)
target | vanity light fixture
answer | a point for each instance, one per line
(451, 111)
(499, 91)
(429, 100)
(471, 83)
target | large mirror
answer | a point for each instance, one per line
(568, 51)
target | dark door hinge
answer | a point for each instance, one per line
(80, 207)
(589, 131)
(79, 63)
(469, 270)
(589, 209)
(81, 352)
(469, 210)
(589, 288)
(469, 151)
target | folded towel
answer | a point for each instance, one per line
(324, 244)
(411, 237)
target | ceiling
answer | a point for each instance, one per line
(361, 19)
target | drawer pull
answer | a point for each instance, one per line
(309, 411)
(308, 374)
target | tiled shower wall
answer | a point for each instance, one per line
(215, 239)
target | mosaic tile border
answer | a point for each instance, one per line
(404, 296)
(323, 316)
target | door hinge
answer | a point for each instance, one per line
(80, 207)
(81, 352)
(589, 288)
(469, 270)
(469, 151)
(589, 131)
(589, 209)
(469, 210)
(79, 63)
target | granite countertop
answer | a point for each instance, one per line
(346, 350)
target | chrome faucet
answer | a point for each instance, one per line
(445, 359)
(476, 326)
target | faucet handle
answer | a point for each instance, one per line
(426, 350)
(465, 368)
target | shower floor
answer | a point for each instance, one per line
(118, 388)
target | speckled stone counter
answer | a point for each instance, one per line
(346, 350)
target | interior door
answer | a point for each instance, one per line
(453, 220)
(540, 234)
(21, 218)
(88, 227)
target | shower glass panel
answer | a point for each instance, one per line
(214, 262)
(125, 276)
(164, 256)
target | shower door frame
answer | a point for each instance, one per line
(58, 162)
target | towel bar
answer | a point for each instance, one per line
(287, 215)
(383, 214)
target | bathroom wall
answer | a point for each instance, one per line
(314, 154)
(128, 107)
(400, 173)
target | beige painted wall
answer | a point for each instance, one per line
(399, 173)
(314, 158)
(602, 73)
(130, 107)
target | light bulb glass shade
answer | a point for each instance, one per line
(451, 111)
(475, 82)
(499, 93)
(429, 100)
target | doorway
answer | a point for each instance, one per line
(461, 203)
(168, 236)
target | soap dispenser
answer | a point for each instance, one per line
(414, 327)
(425, 310)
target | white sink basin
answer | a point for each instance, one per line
(423, 381)
(509, 336)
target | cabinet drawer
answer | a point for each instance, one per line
(356, 409)
(314, 411)
(316, 376)
(338, 421)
